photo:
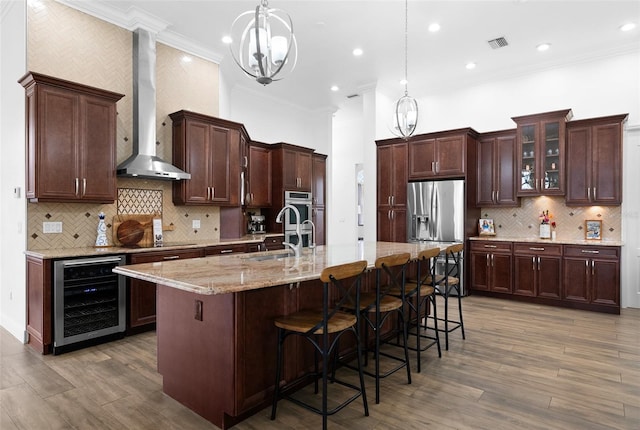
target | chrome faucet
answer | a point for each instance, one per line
(312, 243)
(297, 247)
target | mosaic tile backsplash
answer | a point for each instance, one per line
(523, 222)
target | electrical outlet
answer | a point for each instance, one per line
(52, 227)
(195, 223)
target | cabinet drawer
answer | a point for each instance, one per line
(592, 251)
(274, 242)
(150, 257)
(226, 249)
(537, 249)
(491, 246)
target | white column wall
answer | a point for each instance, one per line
(12, 167)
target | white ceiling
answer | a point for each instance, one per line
(328, 30)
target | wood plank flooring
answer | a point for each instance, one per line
(522, 366)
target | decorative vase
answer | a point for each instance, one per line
(101, 239)
(545, 231)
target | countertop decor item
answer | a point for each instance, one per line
(546, 224)
(486, 227)
(593, 229)
(101, 239)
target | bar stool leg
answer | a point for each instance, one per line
(276, 391)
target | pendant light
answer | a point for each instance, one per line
(405, 117)
(263, 44)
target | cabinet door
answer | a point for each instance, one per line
(484, 171)
(501, 273)
(304, 166)
(549, 277)
(576, 279)
(528, 148)
(385, 226)
(98, 128)
(480, 271)
(451, 153)
(578, 166)
(57, 158)
(318, 218)
(605, 282)
(384, 184)
(552, 158)
(422, 156)
(221, 160)
(319, 179)
(525, 275)
(197, 190)
(398, 175)
(259, 177)
(606, 163)
(505, 171)
(289, 169)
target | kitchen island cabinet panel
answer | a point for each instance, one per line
(39, 304)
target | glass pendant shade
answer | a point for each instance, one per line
(264, 45)
(405, 117)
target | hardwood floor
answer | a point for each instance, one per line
(522, 366)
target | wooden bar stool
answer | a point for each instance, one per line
(390, 274)
(445, 284)
(418, 293)
(316, 326)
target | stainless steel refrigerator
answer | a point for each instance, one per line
(435, 211)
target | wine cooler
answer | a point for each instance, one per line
(89, 302)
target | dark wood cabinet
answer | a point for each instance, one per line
(71, 141)
(537, 270)
(273, 242)
(142, 294)
(292, 166)
(319, 219)
(496, 170)
(259, 171)
(594, 161)
(541, 153)
(439, 155)
(318, 195)
(39, 304)
(209, 149)
(392, 191)
(232, 248)
(491, 266)
(591, 276)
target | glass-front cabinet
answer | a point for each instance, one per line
(541, 142)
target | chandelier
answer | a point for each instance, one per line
(264, 45)
(405, 117)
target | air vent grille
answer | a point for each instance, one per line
(499, 42)
(350, 96)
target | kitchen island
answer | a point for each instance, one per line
(216, 338)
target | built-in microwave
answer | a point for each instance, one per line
(302, 201)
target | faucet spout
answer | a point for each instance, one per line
(298, 246)
(312, 243)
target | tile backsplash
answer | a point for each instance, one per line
(523, 221)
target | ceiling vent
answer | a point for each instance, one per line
(499, 42)
(351, 96)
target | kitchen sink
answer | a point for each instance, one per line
(263, 257)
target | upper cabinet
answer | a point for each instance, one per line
(439, 155)
(209, 149)
(71, 141)
(319, 173)
(259, 171)
(594, 161)
(292, 167)
(541, 146)
(496, 170)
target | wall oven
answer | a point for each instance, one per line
(302, 201)
(89, 301)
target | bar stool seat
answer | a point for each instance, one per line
(315, 325)
(387, 303)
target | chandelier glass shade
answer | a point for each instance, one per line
(264, 45)
(405, 116)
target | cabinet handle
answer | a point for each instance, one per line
(389, 215)
(588, 251)
(493, 196)
(246, 161)
(588, 193)
(226, 251)
(538, 264)
(393, 200)
(497, 196)
(594, 193)
(586, 267)
(84, 186)
(171, 257)
(433, 166)
(490, 246)
(593, 267)
(77, 186)
(533, 260)
(487, 260)
(213, 192)
(492, 260)
(437, 167)
(536, 249)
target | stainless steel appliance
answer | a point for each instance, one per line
(436, 213)
(302, 201)
(292, 237)
(89, 301)
(256, 224)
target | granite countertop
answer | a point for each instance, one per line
(241, 272)
(549, 241)
(46, 254)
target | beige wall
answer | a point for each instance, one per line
(69, 44)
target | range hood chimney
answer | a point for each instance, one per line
(144, 163)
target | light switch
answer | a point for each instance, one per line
(195, 223)
(52, 227)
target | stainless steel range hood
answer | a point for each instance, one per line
(144, 163)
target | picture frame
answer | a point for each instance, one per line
(486, 227)
(593, 229)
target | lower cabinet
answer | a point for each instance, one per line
(582, 277)
(236, 248)
(392, 224)
(592, 275)
(537, 270)
(273, 242)
(142, 294)
(491, 266)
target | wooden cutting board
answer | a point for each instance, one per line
(146, 223)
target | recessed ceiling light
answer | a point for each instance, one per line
(403, 82)
(434, 27)
(227, 40)
(187, 59)
(543, 46)
(628, 26)
(334, 88)
(471, 65)
(357, 52)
